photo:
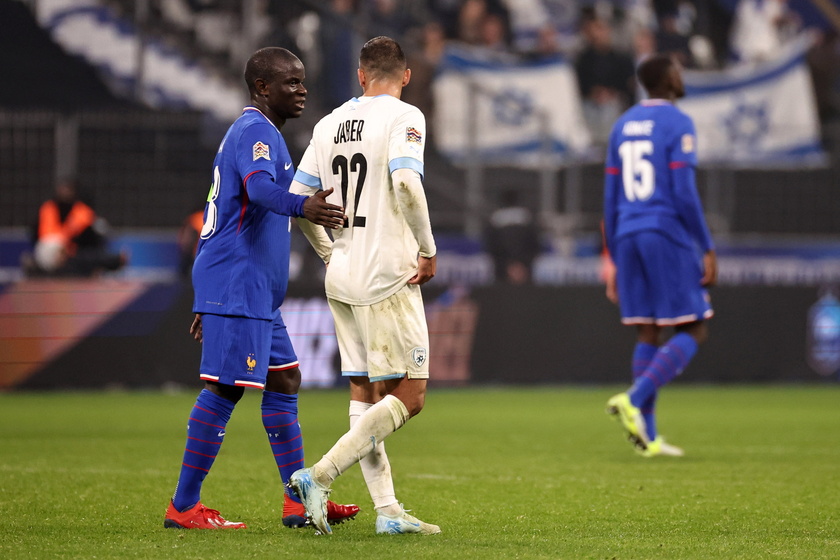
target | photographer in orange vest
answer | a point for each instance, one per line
(70, 237)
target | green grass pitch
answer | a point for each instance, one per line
(506, 472)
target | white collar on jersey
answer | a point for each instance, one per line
(653, 102)
(252, 108)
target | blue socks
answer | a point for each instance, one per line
(667, 362)
(205, 433)
(280, 419)
(643, 353)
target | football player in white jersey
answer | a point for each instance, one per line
(370, 149)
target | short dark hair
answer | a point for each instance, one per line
(653, 71)
(382, 57)
(264, 64)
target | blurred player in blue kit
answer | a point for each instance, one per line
(653, 227)
(240, 277)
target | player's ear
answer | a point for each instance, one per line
(261, 86)
(406, 77)
(362, 77)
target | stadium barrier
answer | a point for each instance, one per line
(92, 334)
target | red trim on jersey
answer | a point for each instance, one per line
(611, 170)
(245, 200)
(677, 164)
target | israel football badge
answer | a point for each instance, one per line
(418, 356)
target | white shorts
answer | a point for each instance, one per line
(386, 340)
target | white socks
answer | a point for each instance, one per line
(366, 434)
(376, 468)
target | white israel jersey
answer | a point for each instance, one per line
(354, 150)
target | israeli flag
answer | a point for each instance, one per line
(757, 114)
(508, 112)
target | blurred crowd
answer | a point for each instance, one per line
(603, 38)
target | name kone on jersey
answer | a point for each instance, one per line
(638, 128)
(349, 131)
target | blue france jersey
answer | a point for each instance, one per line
(649, 184)
(242, 264)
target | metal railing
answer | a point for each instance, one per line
(152, 169)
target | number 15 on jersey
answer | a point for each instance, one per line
(638, 174)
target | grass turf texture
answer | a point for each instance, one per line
(506, 473)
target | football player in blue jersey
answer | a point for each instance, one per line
(657, 236)
(240, 277)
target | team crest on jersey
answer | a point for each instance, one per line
(687, 143)
(413, 135)
(251, 362)
(418, 356)
(261, 151)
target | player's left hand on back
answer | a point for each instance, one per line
(426, 268)
(317, 210)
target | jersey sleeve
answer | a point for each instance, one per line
(307, 174)
(682, 162)
(682, 149)
(612, 183)
(408, 137)
(258, 148)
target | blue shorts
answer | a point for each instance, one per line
(241, 351)
(658, 281)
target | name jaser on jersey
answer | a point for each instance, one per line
(638, 128)
(349, 131)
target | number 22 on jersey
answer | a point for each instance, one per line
(343, 168)
(637, 172)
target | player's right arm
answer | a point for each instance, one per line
(408, 188)
(307, 182)
(315, 234)
(612, 186)
(412, 200)
(258, 148)
(405, 161)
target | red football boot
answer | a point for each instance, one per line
(294, 514)
(197, 517)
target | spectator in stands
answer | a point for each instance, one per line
(824, 62)
(757, 30)
(493, 33)
(473, 20)
(337, 74)
(447, 12)
(513, 240)
(605, 77)
(469, 21)
(70, 238)
(386, 17)
(547, 44)
(670, 40)
(423, 59)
